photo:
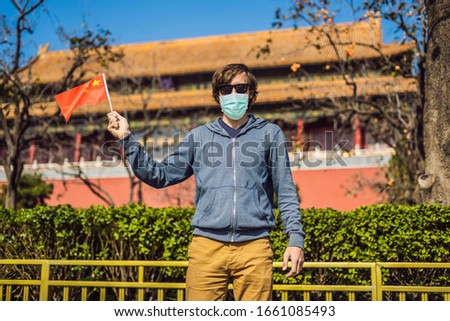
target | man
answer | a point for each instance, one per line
(238, 162)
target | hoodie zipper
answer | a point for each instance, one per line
(233, 222)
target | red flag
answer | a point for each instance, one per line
(90, 93)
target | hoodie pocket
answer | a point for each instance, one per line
(249, 212)
(215, 208)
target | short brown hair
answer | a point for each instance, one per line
(225, 76)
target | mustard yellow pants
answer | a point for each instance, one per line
(213, 265)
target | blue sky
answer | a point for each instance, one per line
(132, 21)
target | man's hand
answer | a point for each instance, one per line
(118, 125)
(296, 255)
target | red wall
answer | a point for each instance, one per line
(341, 189)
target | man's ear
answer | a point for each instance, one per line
(252, 97)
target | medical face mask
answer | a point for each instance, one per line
(234, 105)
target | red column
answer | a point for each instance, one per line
(357, 135)
(32, 152)
(300, 128)
(76, 156)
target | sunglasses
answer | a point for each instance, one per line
(228, 89)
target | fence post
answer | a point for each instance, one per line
(45, 273)
(140, 280)
(377, 282)
(373, 279)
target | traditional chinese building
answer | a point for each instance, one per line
(164, 89)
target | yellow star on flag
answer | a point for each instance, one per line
(96, 83)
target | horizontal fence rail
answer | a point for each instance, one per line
(140, 280)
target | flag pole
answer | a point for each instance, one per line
(107, 91)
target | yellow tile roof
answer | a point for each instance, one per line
(206, 54)
(269, 93)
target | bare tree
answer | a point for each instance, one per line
(143, 88)
(396, 117)
(23, 97)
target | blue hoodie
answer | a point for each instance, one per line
(235, 179)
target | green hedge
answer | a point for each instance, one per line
(375, 233)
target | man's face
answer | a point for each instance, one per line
(234, 97)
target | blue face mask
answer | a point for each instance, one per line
(234, 106)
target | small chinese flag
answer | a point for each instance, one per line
(90, 93)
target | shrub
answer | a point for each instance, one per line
(386, 233)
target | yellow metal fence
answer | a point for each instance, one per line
(17, 283)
